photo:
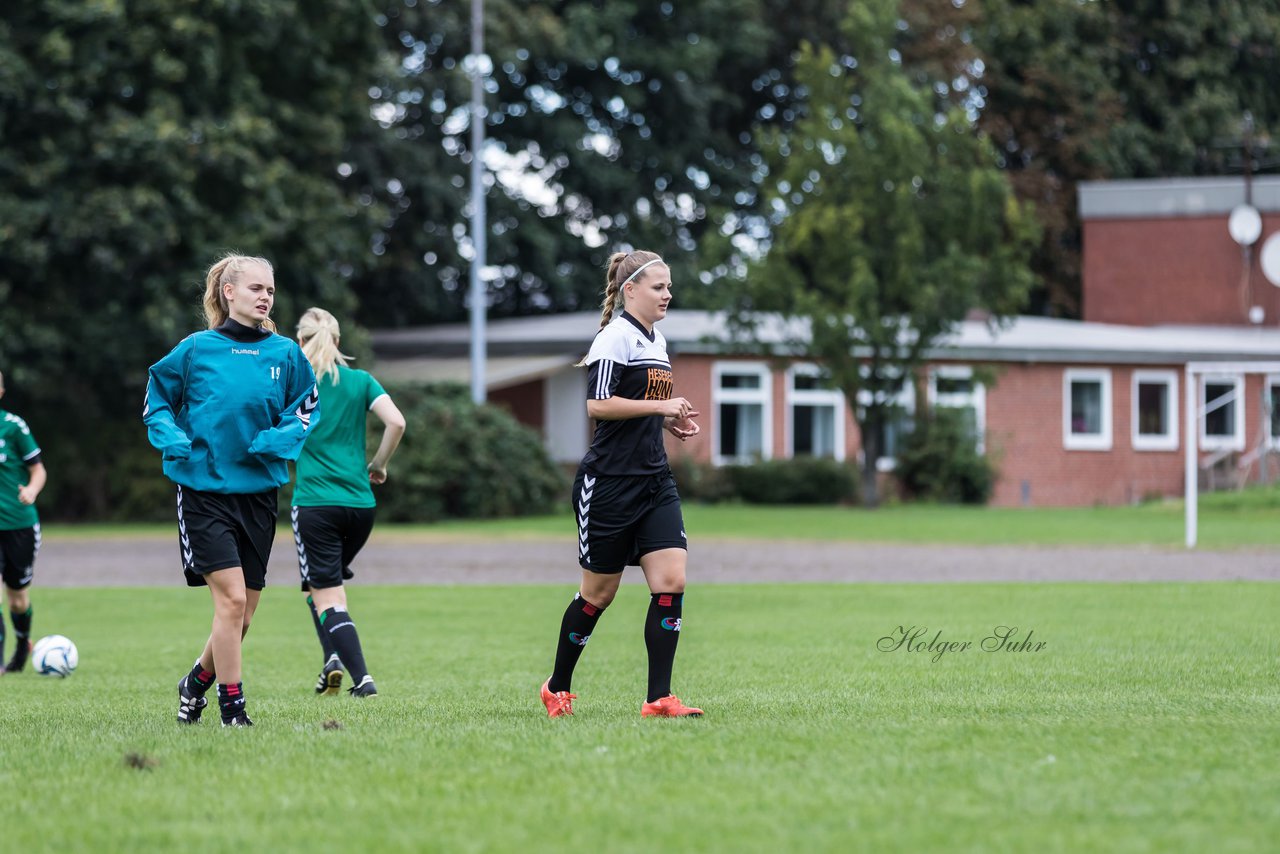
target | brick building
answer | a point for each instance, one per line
(1074, 412)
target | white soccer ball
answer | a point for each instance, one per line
(55, 655)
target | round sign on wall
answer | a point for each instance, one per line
(1245, 224)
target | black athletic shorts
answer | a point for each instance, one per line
(622, 519)
(217, 531)
(18, 550)
(328, 539)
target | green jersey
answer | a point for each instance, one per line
(18, 450)
(332, 470)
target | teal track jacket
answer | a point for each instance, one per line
(228, 414)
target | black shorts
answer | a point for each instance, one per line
(328, 539)
(217, 531)
(18, 550)
(622, 519)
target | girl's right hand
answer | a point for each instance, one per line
(678, 408)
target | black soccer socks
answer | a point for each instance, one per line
(661, 634)
(200, 680)
(22, 637)
(579, 622)
(342, 635)
(231, 701)
(325, 643)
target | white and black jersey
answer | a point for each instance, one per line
(627, 361)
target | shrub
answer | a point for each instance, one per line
(940, 462)
(461, 460)
(800, 480)
(86, 482)
(701, 481)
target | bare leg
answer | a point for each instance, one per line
(230, 621)
(664, 570)
(599, 589)
(251, 606)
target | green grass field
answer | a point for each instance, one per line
(1145, 525)
(1227, 520)
(1150, 721)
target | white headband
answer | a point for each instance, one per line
(638, 271)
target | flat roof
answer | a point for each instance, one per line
(1023, 339)
(499, 372)
(1175, 197)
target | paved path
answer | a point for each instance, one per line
(395, 558)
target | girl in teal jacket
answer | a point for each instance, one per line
(228, 408)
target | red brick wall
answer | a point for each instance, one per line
(693, 382)
(524, 401)
(694, 378)
(1174, 270)
(1024, 433)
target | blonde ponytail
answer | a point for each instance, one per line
(318, 333)
(227, 269)
(622, 267)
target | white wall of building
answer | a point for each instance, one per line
(565, 415)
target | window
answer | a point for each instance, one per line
(815, 414)
(899, 418)
(1222, 402)
(1086, 409)
(1155, 411)
(954, 387)
(742, 396)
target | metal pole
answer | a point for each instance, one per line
(1191, 488)
(479, 227)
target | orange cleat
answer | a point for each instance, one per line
(669, 707)
(558, 703)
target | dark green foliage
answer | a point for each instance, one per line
(636, 118)
(701, 481)
(1131, 89)
(800, 480)
(939, 461)
(459, 460)
(138, 142)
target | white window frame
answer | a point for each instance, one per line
(1234, 442)
(762, 396)
(976, 397)
(1169, 440)
(813, 397)
(1072, 441)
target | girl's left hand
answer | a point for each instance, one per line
(682, 428)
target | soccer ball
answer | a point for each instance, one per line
(55, 655)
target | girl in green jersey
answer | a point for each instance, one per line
(333, 504)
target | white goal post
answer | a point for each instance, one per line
(1194, 412)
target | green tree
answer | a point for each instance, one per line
(1071, 91)
(892, 221)
(610, 124)
(138, 141)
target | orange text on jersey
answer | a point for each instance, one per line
(659, 387)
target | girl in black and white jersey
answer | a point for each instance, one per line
(624, 496)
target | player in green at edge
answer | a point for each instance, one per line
(333, 504)
(22, 476)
